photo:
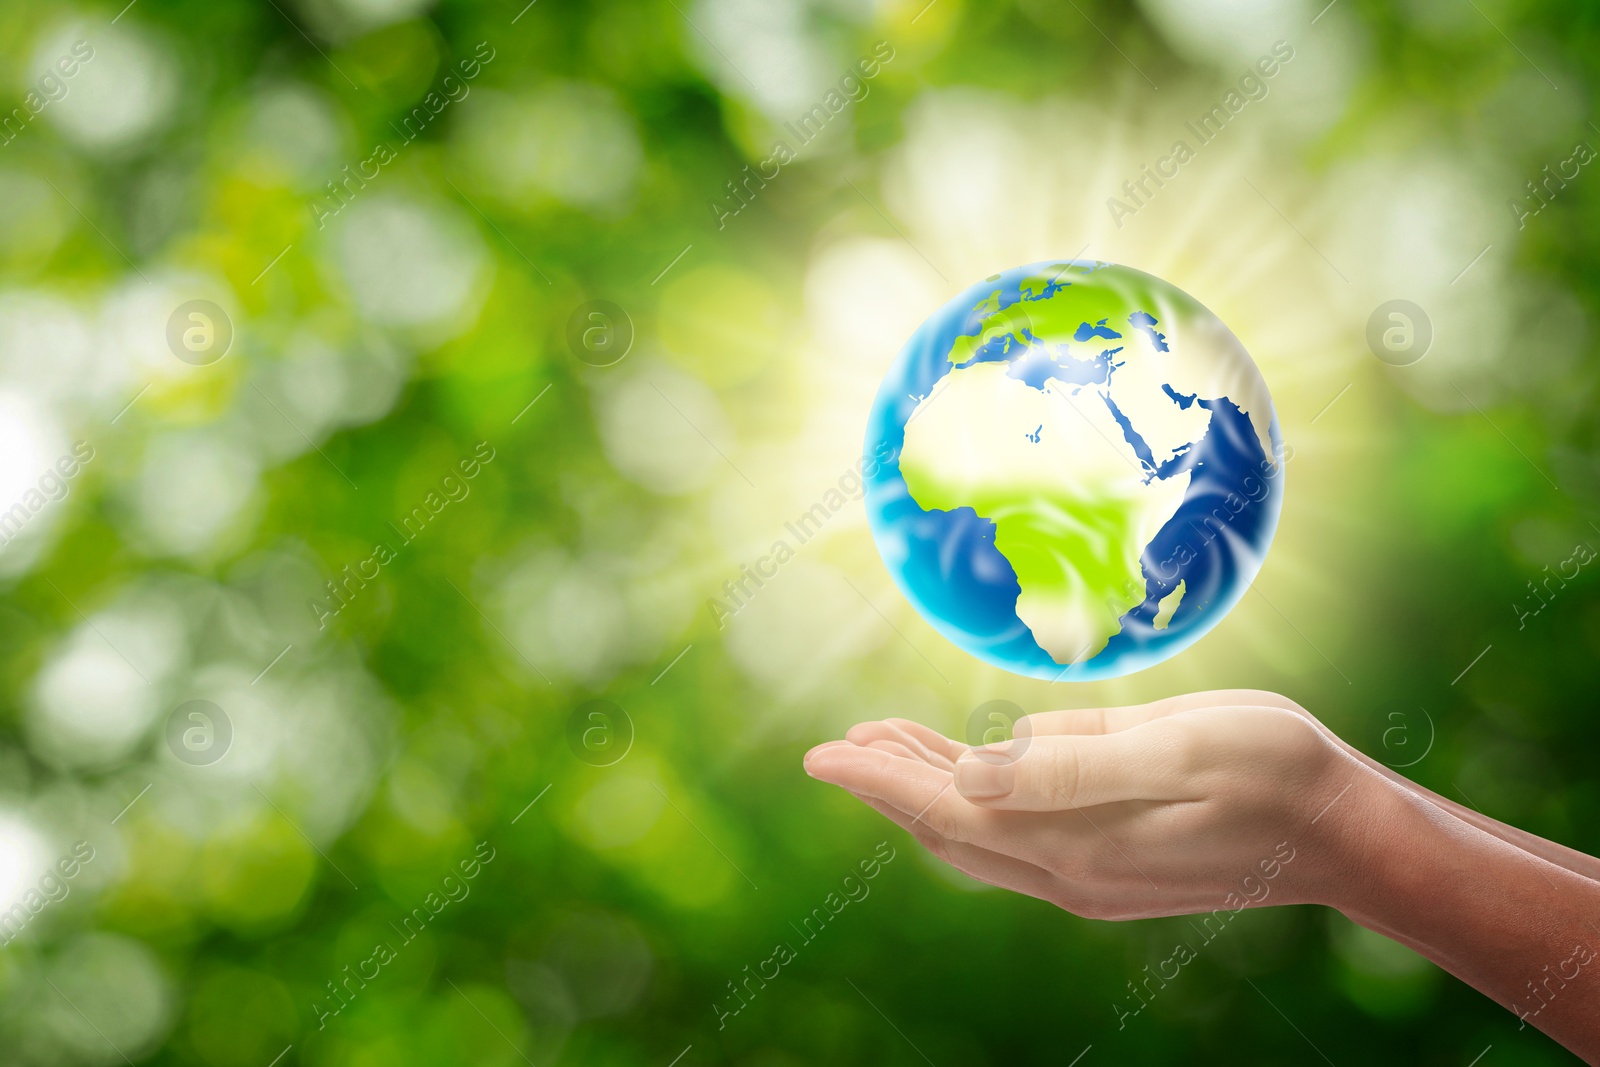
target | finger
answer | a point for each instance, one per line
(894, 748)
(1076, 771)
(927, 798)
(932, 740)
(923, 792)
(982, 864)
(1111, 720)
(923, 742)
(909, 784)
(823, 747)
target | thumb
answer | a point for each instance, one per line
(1054, 773)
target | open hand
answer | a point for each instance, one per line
(1187, 805)
(1216, 802)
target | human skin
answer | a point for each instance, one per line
(1180, 807)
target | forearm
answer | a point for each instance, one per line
(1520, 929)
(1573, 860)
(1577, 862)
(1562, 856)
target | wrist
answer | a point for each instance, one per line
(1359, 830)
(1406, 860)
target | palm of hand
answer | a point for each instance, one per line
(1178, 807)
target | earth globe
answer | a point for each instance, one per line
(1073, 470)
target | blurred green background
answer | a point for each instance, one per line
(396, 213)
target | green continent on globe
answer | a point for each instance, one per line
(1043, 311)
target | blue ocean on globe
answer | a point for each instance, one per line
(1076, 470)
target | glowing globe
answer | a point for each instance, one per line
(1075, 470)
